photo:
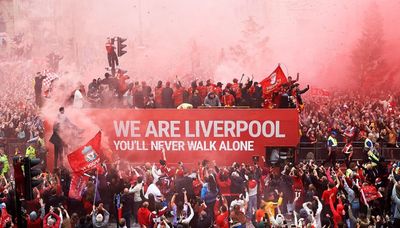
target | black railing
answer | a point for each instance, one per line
(319, 152)
(10, 144)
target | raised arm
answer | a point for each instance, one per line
(351, 216)
(347, 188)
(106, 216)
(188, 219)
(331, 204)
(319, 209)
(185, 196)
(395, 198)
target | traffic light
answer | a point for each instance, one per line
(120, 46)
(30, 173)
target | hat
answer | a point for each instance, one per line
(303, 213)
(99, 218)
(33, 216)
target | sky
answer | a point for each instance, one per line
(206, 39)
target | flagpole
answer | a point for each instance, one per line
(95, 187)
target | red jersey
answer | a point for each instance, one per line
(222, 220)
(327, 193)
(218, 91)
(228, 100)
(202, 92)
(236, 89)
(178, 96)
(224, 186)
(158, 96)
(144, 216)
(211, 87)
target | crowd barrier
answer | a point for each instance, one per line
(11, 144)
(319, 152)
(304, 152)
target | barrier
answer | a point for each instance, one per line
(319, 152)
(10, 145)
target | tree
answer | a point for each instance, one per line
(248, 55)
(369, 66)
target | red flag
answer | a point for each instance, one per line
(86, 157)
(274, 81)
(371, 193)
(78, 183)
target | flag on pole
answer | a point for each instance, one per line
(78, 183)
(274, 81)
(49, 79)
(86, 157)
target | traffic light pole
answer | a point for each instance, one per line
(18, 209)
(18, 188)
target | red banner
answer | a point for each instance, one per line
(371, 193)
(190, 136)
(78, 183)
(274, 81)
(86, 157)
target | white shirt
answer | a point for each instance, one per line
(136, 191)
(153, 189)
(78, 99)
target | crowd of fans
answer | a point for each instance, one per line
(375, 116)
(304, 194)
(117, 92)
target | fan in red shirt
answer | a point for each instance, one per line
(111, 55)
(210, 86)
(144, 214)
(236, 89)
(122, 86)
(228, 99)
(202, 90)
(6, 218)
(332, 189)
(33, 219)
(178, 94)
(224, 182)
(51, 220)
(221, 212)
(218, 90)
(298, 185)
(338, 212)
